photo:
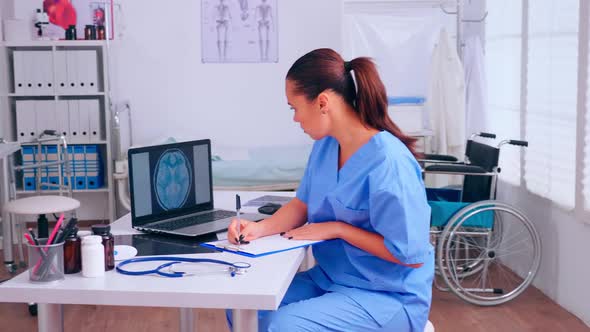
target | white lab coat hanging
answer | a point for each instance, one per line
(445, 104)
(475, 79)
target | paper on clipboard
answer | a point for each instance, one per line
(263, 246)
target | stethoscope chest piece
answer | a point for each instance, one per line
(239, 268)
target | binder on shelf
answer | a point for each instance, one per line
(29, 155)
(45, 115)
(72, 72)
(19, 72)
(66, 179)
(44, 157)
(79, 167)
(74, 119)
(43, 62)
(28, 73)
(63, 118)
(35, 67)
(69, 71)
(53, 171)
(86, 167)
(88, 71)
(94, 170)
(61, 72)
(84, 114)
(92, 107)
(25, 120)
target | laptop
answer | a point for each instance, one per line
(171, 189)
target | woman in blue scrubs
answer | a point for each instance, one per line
(363, 193)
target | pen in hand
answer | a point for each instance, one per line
(238, 207)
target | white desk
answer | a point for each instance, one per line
(262, 288)
(6, 150)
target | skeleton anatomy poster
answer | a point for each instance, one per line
(239, 31)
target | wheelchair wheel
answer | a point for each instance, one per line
(488, 253)
(471, 264)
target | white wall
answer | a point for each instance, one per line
(157, 66)
(564, 274)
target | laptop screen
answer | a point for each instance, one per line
(170, 180)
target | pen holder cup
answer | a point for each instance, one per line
(46, 261)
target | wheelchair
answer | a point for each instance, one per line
(487, 252)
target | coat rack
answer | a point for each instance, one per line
(460, 20)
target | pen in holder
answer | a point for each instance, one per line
(46, 261)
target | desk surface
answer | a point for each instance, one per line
(262, 288)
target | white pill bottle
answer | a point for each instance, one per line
(92, 256)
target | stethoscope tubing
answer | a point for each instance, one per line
(171, 260)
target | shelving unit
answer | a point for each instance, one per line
(96, 204)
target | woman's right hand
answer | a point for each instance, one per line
(249, 230)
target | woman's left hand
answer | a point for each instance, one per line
(316, 231)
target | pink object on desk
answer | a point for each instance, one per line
(50, 239)
(57, 227)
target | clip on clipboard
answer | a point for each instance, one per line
(264, 246)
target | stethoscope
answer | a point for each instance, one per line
(232, 268)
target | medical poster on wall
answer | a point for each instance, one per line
(239, 31)
(63, 13)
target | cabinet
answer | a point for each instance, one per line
(61, 85)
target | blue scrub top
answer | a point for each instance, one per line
(379, 189)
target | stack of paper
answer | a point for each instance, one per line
(260, 247)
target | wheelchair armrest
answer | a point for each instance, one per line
(440, 157)
(438, 162)
(459, 169)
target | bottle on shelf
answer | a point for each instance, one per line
(71, 33)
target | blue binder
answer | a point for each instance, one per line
(29, 157)
(86, 167)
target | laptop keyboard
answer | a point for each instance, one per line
(193, 220)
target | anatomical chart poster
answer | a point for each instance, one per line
(239, 31)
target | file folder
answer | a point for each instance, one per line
(95, 132)
(28, 72)
(29, 156)
(44, 170)
(63, 118)
(74, 119)
(53, 171)
(79, 167)
(26, 120)
(88, 71)
(46, 117)
(71, 162)
(19, 72)
(263, 246)
(61, 72)
(44, 73)
(72, 72)
(94, 169)
(84, 127)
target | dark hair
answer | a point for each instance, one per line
(324, 69)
